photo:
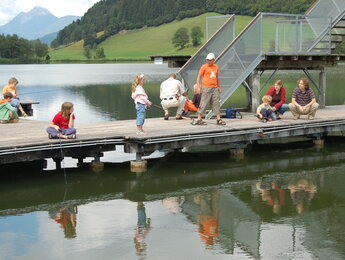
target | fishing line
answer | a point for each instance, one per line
(62, 156)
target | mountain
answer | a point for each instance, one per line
(36, 23)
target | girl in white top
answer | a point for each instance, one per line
(141, 101)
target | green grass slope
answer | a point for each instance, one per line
(142, 43)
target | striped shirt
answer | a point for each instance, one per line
(303, 98)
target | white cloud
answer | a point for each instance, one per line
(10, 8)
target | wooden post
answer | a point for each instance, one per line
(322, 86)
(255, 89)
(138, 165)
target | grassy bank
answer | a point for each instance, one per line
(142, 43)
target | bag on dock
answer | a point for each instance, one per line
(232, 113)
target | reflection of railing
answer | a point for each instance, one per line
(216, 44)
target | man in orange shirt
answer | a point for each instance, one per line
(210, 89)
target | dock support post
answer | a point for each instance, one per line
(58, 161)
(96, 164)
(139, 165)
(237, 153)
(322, 86)
(255, 85)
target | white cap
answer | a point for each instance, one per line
(210, 56)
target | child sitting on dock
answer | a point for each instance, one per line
(141, 101)
(264, 111)
(8, 113)
(193, 105)
(62, 125)
(11, 87)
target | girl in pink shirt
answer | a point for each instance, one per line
(141, 101)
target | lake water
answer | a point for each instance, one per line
(282, 201)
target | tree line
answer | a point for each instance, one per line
(14, 47)
(112, 16)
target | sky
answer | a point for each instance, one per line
(10, 8)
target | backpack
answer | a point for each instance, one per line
(232, 113)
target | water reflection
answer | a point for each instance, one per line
(251, 209)
(67, 218)
(142, 230)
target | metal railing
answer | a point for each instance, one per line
(216, 44)
(267, 33)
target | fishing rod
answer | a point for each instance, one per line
(27, 93)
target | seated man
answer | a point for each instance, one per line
(8, 113)
(172, 94)
(303, 101)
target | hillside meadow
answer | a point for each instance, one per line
(139, 44)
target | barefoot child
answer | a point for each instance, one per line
(8, 113)
(141, 101)
(62, 125)
(264, 111)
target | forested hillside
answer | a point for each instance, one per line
(112, 16)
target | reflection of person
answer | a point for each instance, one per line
(8, 113)
(12, 87)
(67, 218)
(141, 101)
(278, 94)
(303, 101)
(302, 191)
(210, 89)
(62, 125)
(272, 194)
(264, 111)
(208, 217)
(172, 94)
(173, 204)
(142, 229)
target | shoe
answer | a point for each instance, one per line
(166, 117)
(295, 117)
(184, 113)
(311, 117)
(179, 118)
(141, 132)
(264, 120)
(220, 122)
(72, 136)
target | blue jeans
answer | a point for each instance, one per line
(283, 108)
(266, 113)
(52, 131)
(141, 114)
(15, 102)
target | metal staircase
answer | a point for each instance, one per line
(319, 31)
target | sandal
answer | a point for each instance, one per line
(200, 122)
(220, 122)
(141, 132)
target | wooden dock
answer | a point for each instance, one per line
(28, 140)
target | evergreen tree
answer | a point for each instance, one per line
(181, 38)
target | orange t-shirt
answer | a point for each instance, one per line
(7, 88)
(209, 74)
